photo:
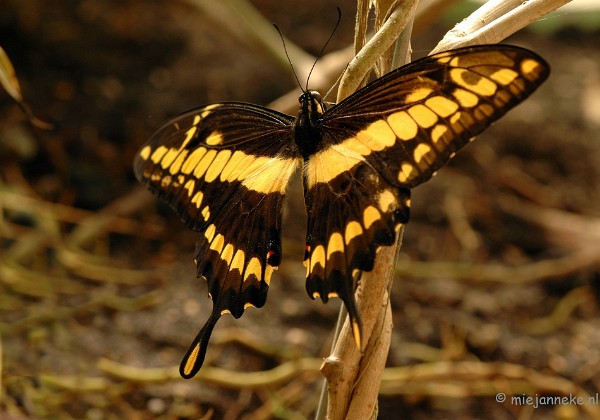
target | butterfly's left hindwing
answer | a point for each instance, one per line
(393, 135)
(224, 169)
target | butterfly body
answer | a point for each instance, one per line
(224, 169)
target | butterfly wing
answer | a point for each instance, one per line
(393, 135)
(224, 169)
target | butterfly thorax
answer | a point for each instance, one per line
(307, 127)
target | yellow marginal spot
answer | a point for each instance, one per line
(332, 295)
(370, 216)
(455, 118)
(317, 257)
(197, 199)
(217, 243)
(204, 164)
(353, 229)
(438, 132)
(176, 165)
(487, 109)
(377, 136)
(158, 154)
(165, 181)
(190, 186)
(420, 151)
(209, 234)
(501, 98)
(504, 76)
(403, 125)
(207, 110)
(214, 139)
(465, 98)
(268, 272)
(192, 160)
(189, 363)
(406, 171)
(386, 201)
(529, 67)
(145, 152)
(336, 244)
(205, 213)
(423, 116)
(227, 254)
(482, 85)
(238, 261)
(418, 95)
(248, 305)
(253, 267)
(225, 311)
(442, 106)
(316, 295)
(217, 165)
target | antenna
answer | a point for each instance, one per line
(318, 56)
(288, 57)
(325, 46)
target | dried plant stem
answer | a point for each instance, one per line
(353, 378)
(495, 21)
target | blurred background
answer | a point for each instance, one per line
(498, 281)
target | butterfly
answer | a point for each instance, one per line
(224, 169)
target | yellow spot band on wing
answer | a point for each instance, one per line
(217, 165)
(353, 230)
(403, 125)
(406, 171)
(197, 199)
(370, 216)
(336, 244)
(386, 201)
(442, 106)
(193, 159)
(418, 95)
(254, 267)
(214, 139)
(209, 234)
(317, 257)
(145, 152)
(423, 116)
(480, 85)
(420, 151)
(237, 263)
(158, 154)
(465, 98)
(529, 66)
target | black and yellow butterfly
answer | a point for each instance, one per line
(224, 169)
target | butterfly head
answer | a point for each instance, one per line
(312, 104)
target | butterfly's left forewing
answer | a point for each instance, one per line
(391, 136)
(224, 169)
